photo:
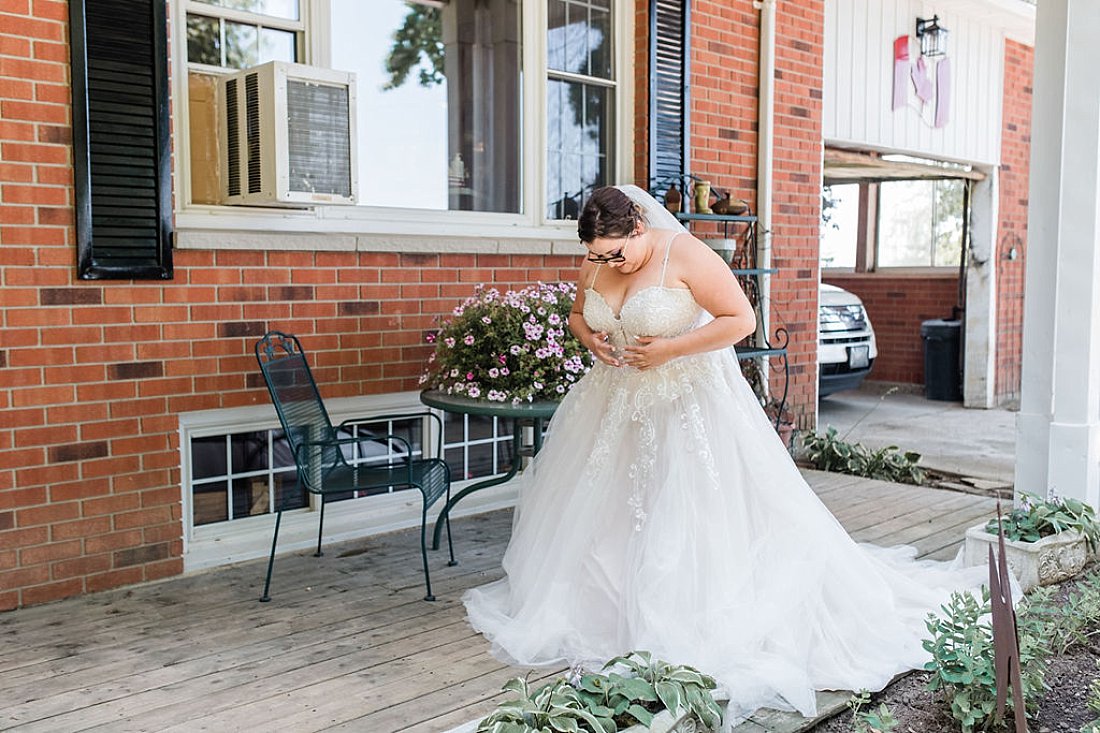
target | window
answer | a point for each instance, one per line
(580, 102)
(236, 34)
(839, 225)
(439, 101)
(476, 446)
(247, 473)
(510, 108)
(920, 223)
(897, 223)
(235, 475)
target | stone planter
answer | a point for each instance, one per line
(1050, 560)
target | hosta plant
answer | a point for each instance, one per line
(635, 689)
(829, 452)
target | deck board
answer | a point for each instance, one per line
(346, 643)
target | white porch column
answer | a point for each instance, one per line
(980, 331)
(1058, 429)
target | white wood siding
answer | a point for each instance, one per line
(859, 53)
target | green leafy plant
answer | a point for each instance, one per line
(635, 689)
(829, 452)
(880, 720)
(962, 663)
(1093, 704)
(509, 347)
(1075, 619)
(1034, 518)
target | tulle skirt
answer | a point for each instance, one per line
(664, 514)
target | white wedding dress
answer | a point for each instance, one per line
(663, 513)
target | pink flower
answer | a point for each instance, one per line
(502, 359)
(430, 338)
(468, 339)
(469, 376)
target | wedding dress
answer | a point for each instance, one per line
(663, 513)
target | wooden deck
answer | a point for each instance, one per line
(346, 644)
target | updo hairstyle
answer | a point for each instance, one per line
(608, 214)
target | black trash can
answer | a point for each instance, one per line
(942, 371)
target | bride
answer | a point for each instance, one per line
(663, 513)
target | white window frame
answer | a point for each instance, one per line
(363, 228)
(248, 538)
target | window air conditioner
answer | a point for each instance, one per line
(287, 136)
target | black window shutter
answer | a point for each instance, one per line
(669, 91)
(120, 139)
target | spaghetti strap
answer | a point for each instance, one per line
(592, 282)
(668, 250)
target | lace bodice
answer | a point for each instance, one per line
(652, 311)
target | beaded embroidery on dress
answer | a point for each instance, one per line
(664, 514)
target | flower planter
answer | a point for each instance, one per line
(1050, 560)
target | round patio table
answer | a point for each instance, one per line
(534, 413)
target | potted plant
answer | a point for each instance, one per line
(637, 694)
(1046, 540)
(508, 347)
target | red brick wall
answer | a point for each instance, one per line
(1012, 227)
(896, 306)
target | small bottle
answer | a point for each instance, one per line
(673, 199)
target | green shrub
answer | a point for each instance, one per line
(829, 453)
(962, 663)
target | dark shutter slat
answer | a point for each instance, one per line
(120, 113)
(669, 92)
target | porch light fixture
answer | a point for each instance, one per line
(933, 38)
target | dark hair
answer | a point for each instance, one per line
(608, 213)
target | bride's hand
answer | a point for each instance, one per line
(649, 352)
(598, 344)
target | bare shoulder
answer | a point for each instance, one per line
(692, 258)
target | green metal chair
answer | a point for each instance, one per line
(320, 450)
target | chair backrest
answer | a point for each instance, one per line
(297, 401)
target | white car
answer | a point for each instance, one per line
(846, 341)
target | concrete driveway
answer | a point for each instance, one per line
(977, 443)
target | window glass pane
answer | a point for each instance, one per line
(555, 36)
(250, 496)
(949, 221)
(579, 126)
(286, 9)
(208, 457)
(281, 455)
(248, 451)
(241, 45)
(905, 224)
(203, 40)
(276, 45)
(599, 43)
(209, 502)
(287, 490)
(438, 101)
(839, 225)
